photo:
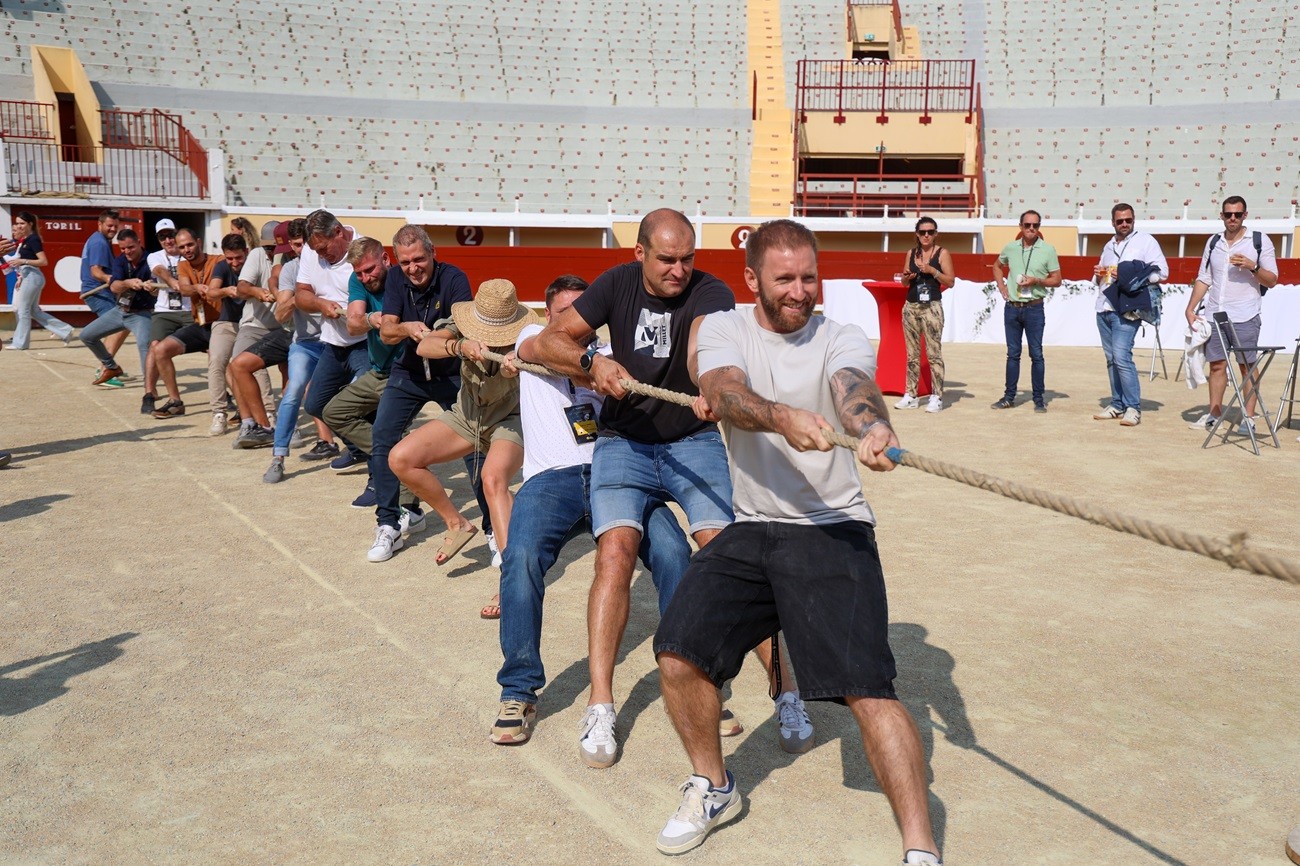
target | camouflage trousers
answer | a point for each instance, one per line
(924, 320)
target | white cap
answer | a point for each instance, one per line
(163, 225)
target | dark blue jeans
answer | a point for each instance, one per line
(402, 400)
(550, 509)
(337, 367)
(1027, 322)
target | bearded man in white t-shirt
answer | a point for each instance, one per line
(801, 556)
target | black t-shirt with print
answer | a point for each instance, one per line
(231, 308)
(649, 336)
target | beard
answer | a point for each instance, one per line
(786, 320)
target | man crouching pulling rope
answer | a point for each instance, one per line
(801, 556)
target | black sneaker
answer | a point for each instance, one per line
(1040, 407)
(170, 409)
(1004, 403)
(322, 450)
(147, 404)
(348, 462)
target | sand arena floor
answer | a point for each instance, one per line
(196, 667)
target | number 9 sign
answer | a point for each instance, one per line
(740, 237)
(469, 236)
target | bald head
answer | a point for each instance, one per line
(653, 222)
(665, 247)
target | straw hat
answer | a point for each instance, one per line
(495, 317)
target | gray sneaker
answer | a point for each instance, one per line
(297, 440)
(797, 734)
(258, 437)
(275, 472)
(703, 808)
(598, 744)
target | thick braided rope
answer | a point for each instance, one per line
(1232, 551)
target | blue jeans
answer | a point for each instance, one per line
(337, 367)
(302, 362)
(401, 402)
(550, 509)
(1117, 335)
(1027, 322)
(626, 475)
(112, 321)
(27, 307)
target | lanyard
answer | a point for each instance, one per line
(1119, 250)
(1025, 259)
(432, 293)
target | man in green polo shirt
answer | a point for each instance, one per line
(1025, 270)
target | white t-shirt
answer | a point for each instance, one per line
(548, 442)
(330, 282)
(257, 272)
(164, 295)
(770, 480)
(1137, 247)
(1235, 290)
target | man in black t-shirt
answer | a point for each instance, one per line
(648, 449)
(221, 342)
(133, 310)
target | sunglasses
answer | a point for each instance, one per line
(927, 231)
(1233, 214)
(1124, 222)
(1029, 225)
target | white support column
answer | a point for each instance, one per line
(217, 177)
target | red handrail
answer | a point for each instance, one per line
(26, 121)
(152, 129)
(885, 86)
(841, 194)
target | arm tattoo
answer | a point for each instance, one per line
(732, 400)
(857, 400)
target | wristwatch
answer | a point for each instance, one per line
(585, 361)
(1255, 269)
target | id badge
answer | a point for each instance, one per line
(582, 423)
(173, 300)
(923, 296)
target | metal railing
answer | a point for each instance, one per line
(151, 129)
(898, 16)
(26, 121)
(144, 172)
(884, 86)
(868, 195)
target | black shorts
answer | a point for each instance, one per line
(821, 585)
(194, 337)
(273, 349)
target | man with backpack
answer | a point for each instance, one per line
(1116, 326)
(1236, 269)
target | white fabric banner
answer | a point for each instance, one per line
(973, 316)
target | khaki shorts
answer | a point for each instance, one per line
(509, 430)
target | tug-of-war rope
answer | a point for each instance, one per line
(1232, 551)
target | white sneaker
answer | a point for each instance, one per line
(917, 857)
(1132, 418)
(1246, 427)
(387, 542)
(218, 427)
(703, 808)
(496, 551)
(908, 402)
(1110, 413)
(797, 735)
(936, 404)
(598, 744)
(1205, 422)
(270, 418)
(410, 521)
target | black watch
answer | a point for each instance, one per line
(585, 361)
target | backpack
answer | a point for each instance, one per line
(1257, 237)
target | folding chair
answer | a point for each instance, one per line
(1254, 373)
(1288, 393)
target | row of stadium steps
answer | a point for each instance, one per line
(771, 175)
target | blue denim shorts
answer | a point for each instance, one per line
(692, 472)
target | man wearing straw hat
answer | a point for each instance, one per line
(485, 419)
(801, 556)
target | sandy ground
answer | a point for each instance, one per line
(196, 667)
